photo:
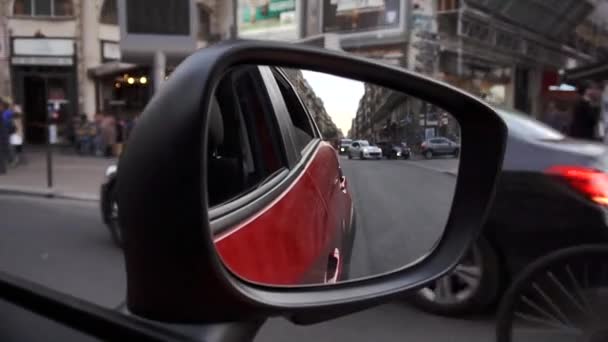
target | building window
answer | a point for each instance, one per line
(204, 31)
(44, 8)
(109, 13)
(448, 5)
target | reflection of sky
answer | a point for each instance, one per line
(340, 96)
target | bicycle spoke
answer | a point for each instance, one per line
(554, 325)
(540, 310)
(578, 289)
(567, 293)
(551, 304)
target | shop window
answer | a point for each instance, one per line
(448, 5)
(109, 13)
(44, 8)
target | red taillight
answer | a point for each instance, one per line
(591, 182)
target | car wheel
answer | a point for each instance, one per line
(113, 219)
(350, 156)
(428, 154)
(361, 156)
(456, 153)
(470, 288)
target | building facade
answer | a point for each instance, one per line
(65, 54)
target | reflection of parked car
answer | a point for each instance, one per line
(362, 149)
(552, 194)
(233, 170)
(344, 145)
(394, 151)
(439, 146)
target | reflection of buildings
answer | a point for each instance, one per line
(386, 115)
(314, 104)
(67, 51)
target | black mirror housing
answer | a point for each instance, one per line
(173, 271)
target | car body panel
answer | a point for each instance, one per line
(535, 213)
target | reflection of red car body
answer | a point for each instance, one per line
(304, 236)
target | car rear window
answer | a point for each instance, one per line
(528, 127)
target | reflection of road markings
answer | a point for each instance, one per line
(448, 172)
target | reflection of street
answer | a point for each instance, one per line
(401, 211)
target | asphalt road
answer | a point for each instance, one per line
(63, 245)
(401, 210)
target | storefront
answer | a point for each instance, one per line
(122, 89)
(44, 76)
(486, 79)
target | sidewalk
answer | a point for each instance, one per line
(74, 176)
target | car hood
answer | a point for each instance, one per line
(372, 148)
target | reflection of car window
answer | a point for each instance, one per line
(299, 117)
(525, 126)
(251, 152)
(436, 141)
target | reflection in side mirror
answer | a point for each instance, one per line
(315, 179)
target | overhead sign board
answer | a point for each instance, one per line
(148, 26)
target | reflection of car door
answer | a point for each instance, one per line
(320, 160)
(282, 235)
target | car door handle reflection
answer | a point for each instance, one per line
(342, 181)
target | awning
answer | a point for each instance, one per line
(597, 72)
(110, 68)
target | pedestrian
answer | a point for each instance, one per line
(586, 112)
(85, 135)
(16, 137)
(108, 134)
(98, 136)
(4, 143)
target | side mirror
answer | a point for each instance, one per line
(233, 205)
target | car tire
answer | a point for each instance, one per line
(361, 156)
(350, 156)
(456, 153)
(428, 154)
(113, 226)
(479, 299)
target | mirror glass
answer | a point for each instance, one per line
(315, 179)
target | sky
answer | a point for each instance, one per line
(340, 96)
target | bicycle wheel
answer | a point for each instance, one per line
(560, 297)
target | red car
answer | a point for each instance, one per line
(304, 236)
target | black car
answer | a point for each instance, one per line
(551, 194)
(344, 145)
(109, 208)
(394, 151)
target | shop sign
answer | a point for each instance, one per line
(360, 15)
(271, 19)
(51, 61)
(111, 51)
(43, 47)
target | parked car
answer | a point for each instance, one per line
(344, 145)
(362, 149)
(109, 205)
(552, 194)
(394, 151)
(439, 146)
(226, 181)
